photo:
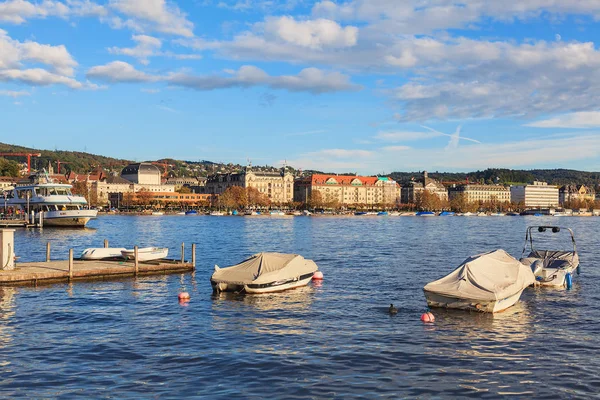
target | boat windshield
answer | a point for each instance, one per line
(54, 191)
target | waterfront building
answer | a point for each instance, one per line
(410, 191)
(161, 199)
(539, 194)
(483, 193)
(142, 173)
(276, 185)
(348, 190)
(570, 193)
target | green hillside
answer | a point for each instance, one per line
(75, 161)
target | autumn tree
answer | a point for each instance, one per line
(128, 199)
(255, 198)
(428, 201)
(315, 199)
(184, 190)
(144, 197)
(234, 197)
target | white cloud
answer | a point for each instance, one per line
(40, 77)
(15, 57)
(147, 46)
(119, 71)
(584, 119)
(314, 34)
(19, 11)
(14, 93)
(14, 53)
(309, 79)
(153, 15)
(424, 17)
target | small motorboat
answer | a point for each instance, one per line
(383, 213)
(360, 213)
(488, 282)
(217, 213)
(264, 273)
(158, 213)
(191, 212)
(425, 214)
(102, 253)
(550, 267)
(447, 214)
(146, 253)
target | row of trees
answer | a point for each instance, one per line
(236, 197)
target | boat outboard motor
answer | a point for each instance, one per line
(536, 267)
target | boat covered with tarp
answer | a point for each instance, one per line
(488, 282)
(264, 273)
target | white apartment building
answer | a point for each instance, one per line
(474, 192)
(539, 194)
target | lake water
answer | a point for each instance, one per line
(132, 339)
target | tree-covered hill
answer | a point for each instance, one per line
(75, 161)
(509, 176)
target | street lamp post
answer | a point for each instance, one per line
(28, 194)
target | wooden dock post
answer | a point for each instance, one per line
(41, 219)
(194, 255)
(183, 252)
(106, 243)
(135, 259)
(48, 252)
(70, 265)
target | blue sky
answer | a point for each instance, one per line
(368, 86)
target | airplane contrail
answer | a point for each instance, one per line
(454, 138)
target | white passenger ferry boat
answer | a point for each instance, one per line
(60, 206)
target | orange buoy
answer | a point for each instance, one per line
(184, 296)
(427, 317)
(317, 276)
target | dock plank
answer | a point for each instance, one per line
(35, 273)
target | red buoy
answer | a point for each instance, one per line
(427, 317)
(184, 296)
(317, 276)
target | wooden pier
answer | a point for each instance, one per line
(46, 272)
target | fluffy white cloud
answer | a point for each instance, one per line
(18, 11)
(153, 15)
(119, 71)
(147, 46)
(39, 77)
(584, 119)
(14, 53)
(308, 80)
(508, 80)
(314, 34)
(15, 57)
(424, 17)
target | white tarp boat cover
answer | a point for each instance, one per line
(490, 276)
(265, 268)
